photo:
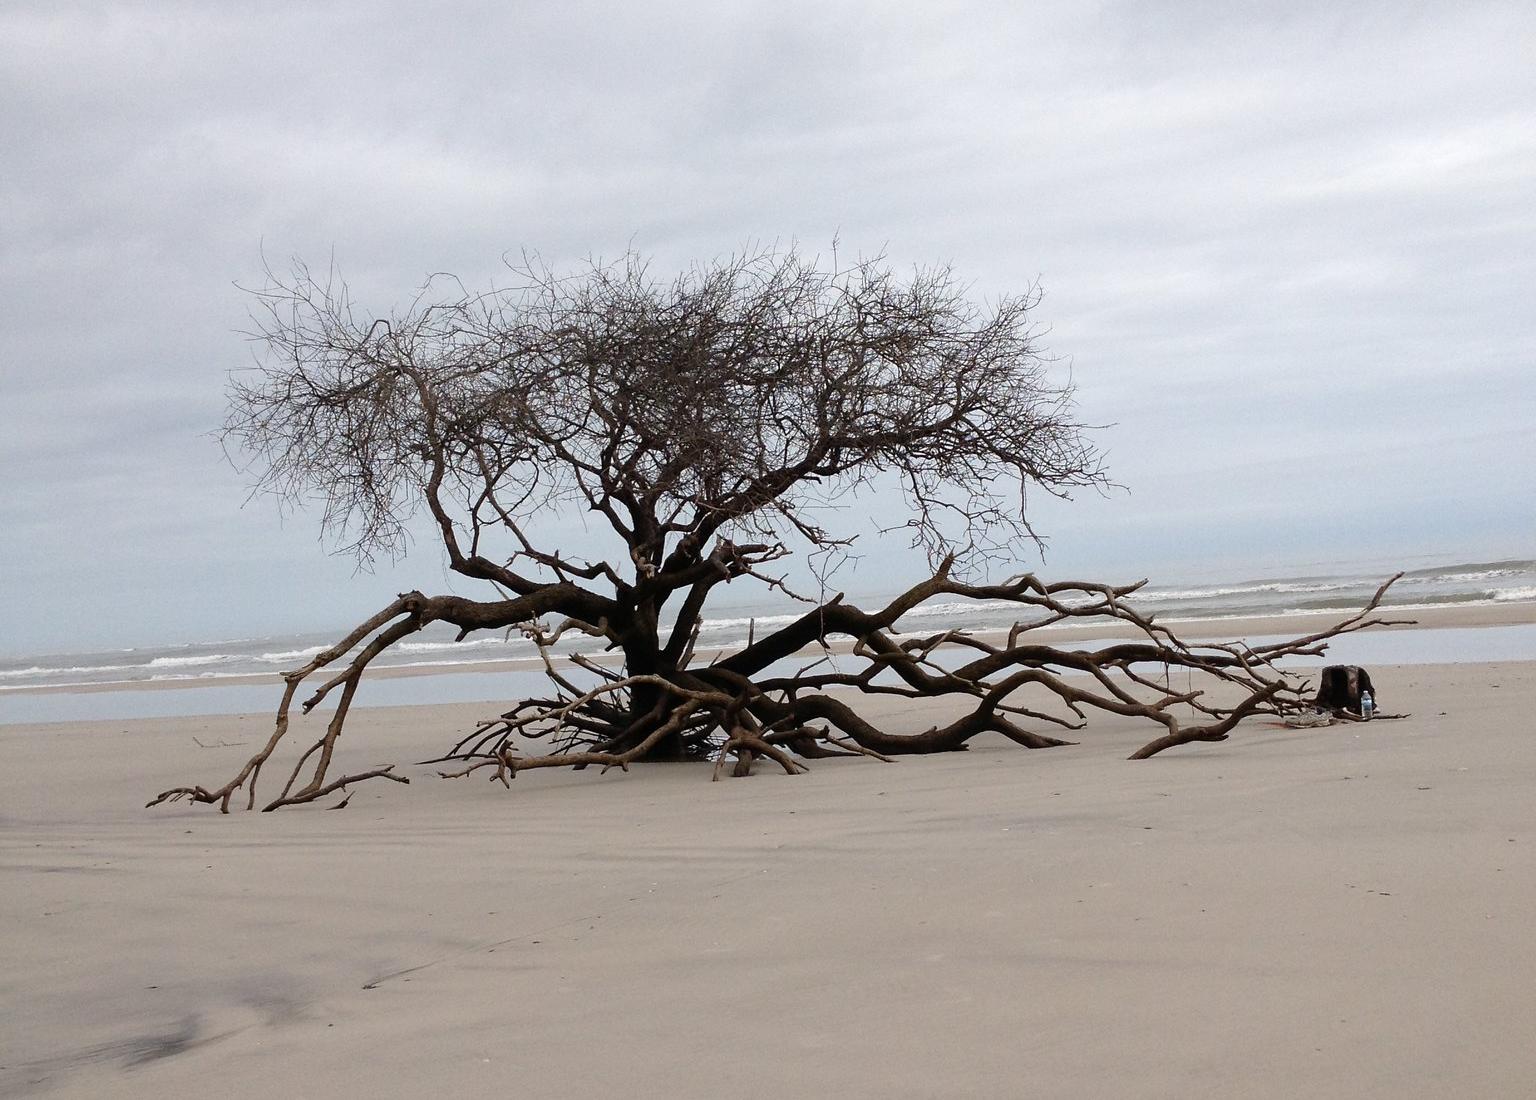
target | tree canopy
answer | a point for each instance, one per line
(735, 398)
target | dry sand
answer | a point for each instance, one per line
(1345, 912)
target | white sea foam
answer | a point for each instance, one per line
(1464, 578)
(463, 663)
(1473, 570)
(189, 662)
(68, 684)
(283, 657)
(468, 643)
(136, 682)
(762, 621)
(1524, 592)
(1147, 595)
(44, 670)
(949, 609)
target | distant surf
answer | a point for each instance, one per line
(192, 663)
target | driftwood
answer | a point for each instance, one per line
(734, 711)
(709, 426)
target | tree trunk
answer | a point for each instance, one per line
(642, 657)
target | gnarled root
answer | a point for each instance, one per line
(732, 708)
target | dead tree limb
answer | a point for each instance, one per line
(708, 425)
(733, 709)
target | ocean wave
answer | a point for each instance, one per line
(746, 620)
(950, 609)
(528, 657)
(97, 684)
(1355, 602)
(42, 670)
(189, 662)
(1157, 595)
(468, 643)
(1423, 603)
(136, 682)
(1472, 570)
(172, 677)
(1466, 578)
(283, 657)
(1524, 592)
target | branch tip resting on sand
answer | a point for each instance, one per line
(708, 426)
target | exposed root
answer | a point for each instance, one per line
(729, 710)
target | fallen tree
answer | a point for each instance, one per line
(711, 425)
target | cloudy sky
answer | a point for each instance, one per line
(1289, 250)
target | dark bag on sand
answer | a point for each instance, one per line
(1341, 688)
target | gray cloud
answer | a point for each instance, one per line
(1278, 243)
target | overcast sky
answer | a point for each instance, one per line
(1289, 250)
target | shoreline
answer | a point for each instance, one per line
(1194, 629)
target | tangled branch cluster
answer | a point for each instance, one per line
(709, 426)
(732, 711)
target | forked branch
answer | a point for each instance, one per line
(737, 708)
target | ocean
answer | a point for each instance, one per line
(122, 682)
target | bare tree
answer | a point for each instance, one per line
(712, 424)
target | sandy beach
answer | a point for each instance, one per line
(640, 378)
(1336, 912)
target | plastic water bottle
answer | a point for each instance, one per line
(1367, 705)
